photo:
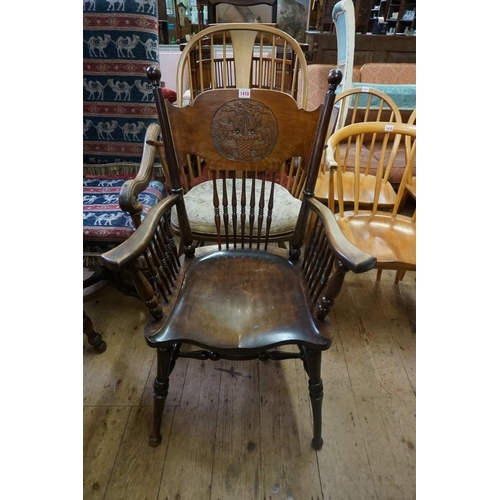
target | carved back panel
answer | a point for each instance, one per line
(257, 133)
(244, 138)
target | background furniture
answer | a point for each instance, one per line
(358, 105)
(241, 55)
(387, 235)
(397, 80)
(399, 15)
(342, 17)
(119, 117)
(396, 14)
(369, 48)
(240, 299)
(212, 8)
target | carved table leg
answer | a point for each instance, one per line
(94, 338)
(313, 360)
(160, 391)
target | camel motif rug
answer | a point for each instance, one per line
(120, 40)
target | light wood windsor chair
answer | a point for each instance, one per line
(384, 233)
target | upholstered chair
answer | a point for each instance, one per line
(120, 40)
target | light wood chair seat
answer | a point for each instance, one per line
(387, 196)
(391, 240)
(411, 187)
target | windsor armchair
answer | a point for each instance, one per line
(388, 235)
(244, 297)
(118, 121)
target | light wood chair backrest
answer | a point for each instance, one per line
(349, 140)
(411, 181)
(360, 105)
(243, 56)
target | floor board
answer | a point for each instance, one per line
(237, 437)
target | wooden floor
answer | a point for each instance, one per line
(238, 438)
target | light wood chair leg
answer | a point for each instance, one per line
(399, 276)
(379, 274)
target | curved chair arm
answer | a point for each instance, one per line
(328, 257)
(133, 187)
(131, 249)
(352, 257)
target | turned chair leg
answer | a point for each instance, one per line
(313, 360)
(164, 368)
(94, 338)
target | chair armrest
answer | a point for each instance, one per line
(329, 157)
(352, 257)
(125, 254)
(133, 187)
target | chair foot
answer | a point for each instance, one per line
(94, 338)
(154, 441)
(100, 346)
(317, 444)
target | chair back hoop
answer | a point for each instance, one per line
(353, 136)
(241, 55)
(412, 120)
(367, 103)
(363, 104)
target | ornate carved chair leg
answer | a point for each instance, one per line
(313, 360)
(160, 391)
(94, 338)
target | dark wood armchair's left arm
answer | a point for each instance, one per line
(150, 256)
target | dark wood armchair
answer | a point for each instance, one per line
(244, 297)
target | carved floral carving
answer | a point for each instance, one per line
(244, 130)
